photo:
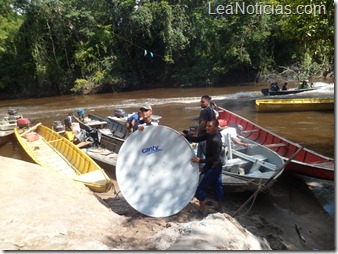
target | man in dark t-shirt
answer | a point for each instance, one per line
(206, 114)
(68, 121)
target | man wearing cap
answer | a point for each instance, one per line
(145, 120)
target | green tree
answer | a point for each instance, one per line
(312, 31)
(81, 46)
(10, 21)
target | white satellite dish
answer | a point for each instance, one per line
(155, 173)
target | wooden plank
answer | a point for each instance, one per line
(249, 131)
(275, 145)
(95, 123)
(55, 140)
(249, 158)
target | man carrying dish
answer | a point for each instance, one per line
(211, 172)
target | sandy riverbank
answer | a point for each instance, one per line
(42, 210)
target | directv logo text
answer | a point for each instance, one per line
(150, 150)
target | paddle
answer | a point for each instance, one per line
(269, 182)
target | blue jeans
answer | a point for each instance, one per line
(213, 178)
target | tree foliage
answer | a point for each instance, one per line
(50, 47)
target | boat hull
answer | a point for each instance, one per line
(110, 142)
(54, 152)
(6, 136)
(267, 91)
(299, 104)
(118, 129)
(307, 162)
(250, 168)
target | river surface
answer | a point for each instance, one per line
(180, 108)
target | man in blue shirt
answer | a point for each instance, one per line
(132, 120)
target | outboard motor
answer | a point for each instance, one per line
(12, 115)
(58, 126)
(12, 111)
(120, 113)
(23, 122)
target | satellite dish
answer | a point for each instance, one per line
(155, 173)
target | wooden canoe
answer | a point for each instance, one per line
(298, 104)
(54, 152)
(307, 162)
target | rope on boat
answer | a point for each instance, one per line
(268, 184)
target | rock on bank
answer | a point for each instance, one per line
(43, 210)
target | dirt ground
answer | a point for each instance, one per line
(43, 210)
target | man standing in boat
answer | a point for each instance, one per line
(285, 87)
(145, 120)
(210, 176)
(68, 121)
(207, 114)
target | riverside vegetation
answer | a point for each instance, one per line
(54, 47)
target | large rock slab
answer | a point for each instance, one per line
(44, 210)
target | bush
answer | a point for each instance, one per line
(83, 86)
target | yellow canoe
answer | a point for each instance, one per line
(54, 152)
(299, 104)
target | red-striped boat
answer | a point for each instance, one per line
(307, 162)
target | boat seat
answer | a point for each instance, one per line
(275, 145)
(255, 167)
(235, 161)
(258, 174)
(119, 134)
(114, 128)
(234, 165)
(259, 157)
(105, 131)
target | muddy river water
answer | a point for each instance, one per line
(180, 108)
